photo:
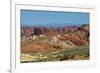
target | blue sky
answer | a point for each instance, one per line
(53, 18)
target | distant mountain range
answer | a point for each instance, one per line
(37, 30)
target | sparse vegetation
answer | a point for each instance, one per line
(80, 53)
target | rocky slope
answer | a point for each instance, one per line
(54, 38)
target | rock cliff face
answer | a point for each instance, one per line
(82, 31)
(27, 30)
